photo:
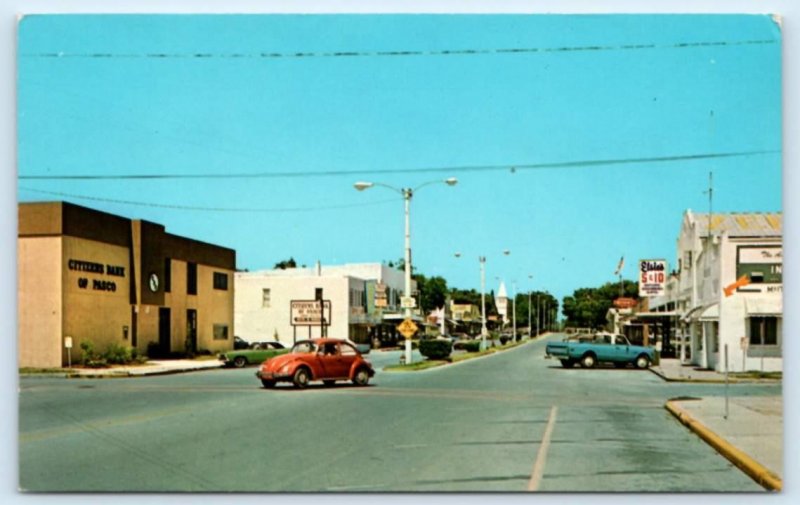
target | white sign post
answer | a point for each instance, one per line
(68, 345)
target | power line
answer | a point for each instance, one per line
(210, 209)
(400, 53)
(467, 168)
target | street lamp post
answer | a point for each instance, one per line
(482, 261)
(530, 326)
(406, 193)
(514, 310)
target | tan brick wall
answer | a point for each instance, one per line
(91, 313)
(39, 304)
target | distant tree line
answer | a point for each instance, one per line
(587, 307)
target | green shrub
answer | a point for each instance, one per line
(96, 363)
(88, 354)
(435, 349)
(117, 354)
(469, 346)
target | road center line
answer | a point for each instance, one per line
(541, 457)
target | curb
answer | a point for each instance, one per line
(748, 465)
(129, 374)
(454, 363)
(706, 381)
(731, 380)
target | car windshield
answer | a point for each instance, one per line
(304, 348)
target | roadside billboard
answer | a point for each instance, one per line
(652, 277)
(307, 313)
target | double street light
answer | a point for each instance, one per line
(482, 261)
(407, 194)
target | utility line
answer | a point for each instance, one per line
(441, 52)
(451, 169)
(210, 209)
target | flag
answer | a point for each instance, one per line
(620, 265)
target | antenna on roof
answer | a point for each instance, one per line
(710, 192)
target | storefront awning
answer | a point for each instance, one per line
(656, 314)
(708, 312)
(390, 318)
(772, 306)
(711, 313)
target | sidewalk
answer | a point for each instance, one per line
(671, 370)
(157, 367)
(751, 437)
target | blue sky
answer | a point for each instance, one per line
(216, 95)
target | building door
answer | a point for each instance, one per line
(191, 330)
(164, 317)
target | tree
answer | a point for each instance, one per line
(432, 292)
(473, 297)
(283, 265)
(540, 301)
(587, 307)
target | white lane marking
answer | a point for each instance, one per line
(541, 457)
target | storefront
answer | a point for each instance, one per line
(104, 279)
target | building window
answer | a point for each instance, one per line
(221, 281)
(167, 274)
(265, 297)
(763, 331)
(220, 332)
(191, 278)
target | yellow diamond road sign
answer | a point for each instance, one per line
(407, 328)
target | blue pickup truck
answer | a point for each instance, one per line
(588, 350)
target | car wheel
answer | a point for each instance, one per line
(239, 361)
(588, 361)
(301, 378)
(329, 382)
(268, 384)
(361, 378)
(642, 362)
(567, 363)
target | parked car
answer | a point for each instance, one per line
(243, 357)
(325, 359)
(239, 343)
(267, 345)
(601, 348)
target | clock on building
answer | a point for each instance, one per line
(153, 282)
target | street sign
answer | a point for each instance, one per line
(407, 328)
(408, 302)
(740, 282)
(307, 313)
(652, 277)
(625, 303)
(380, 295)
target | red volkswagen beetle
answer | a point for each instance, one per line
(325, 359)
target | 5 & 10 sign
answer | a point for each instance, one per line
(652, 277)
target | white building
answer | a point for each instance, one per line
(283, 305)
(730, 290)
(501, 300)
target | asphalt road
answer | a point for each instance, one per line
(512, 421)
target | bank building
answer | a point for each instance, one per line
(86, 275)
